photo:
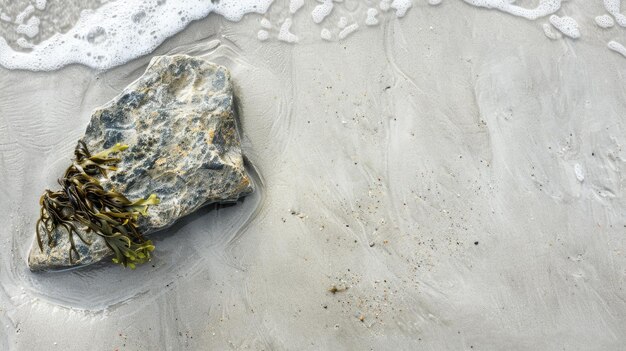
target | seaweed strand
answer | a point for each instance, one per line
(83, 202)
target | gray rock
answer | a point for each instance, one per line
(178, 120)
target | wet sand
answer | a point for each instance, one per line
(451, 180)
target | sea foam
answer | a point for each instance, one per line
(122, 30)
(118, 32)
(544, 8)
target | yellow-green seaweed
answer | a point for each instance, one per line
(82, 201)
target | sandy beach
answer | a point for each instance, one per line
(450, 180)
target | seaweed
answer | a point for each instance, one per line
(84, 204)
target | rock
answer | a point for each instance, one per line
(179, 122)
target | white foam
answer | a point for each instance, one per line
(566, 25)
(22, 42)
(544, 8)
(348, 30)
(620, 19)
(371, 19)
(265, 23)
(40, 4)
(617, 47)
(550, 33)
(384, 5)
(401, 6)
(579, 172)
(326, 34)
(343, 22)
(285, 34)
(321, 11)
(19, 19)
(605, 21)
(119, 31)
(262, 35)
(295, 5)
(30, 29)
(612, 6)
(4, 17)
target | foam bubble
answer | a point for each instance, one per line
(285, 34)
(4, 17)
(263, 35)
(620, 19)
(434, 2)
(579, 172)
(544, 8)
(384, 5)
(348, 30)
(295, 5)
(19, 19)
(22, 42)
(605, 21)
(612, 6)
(326, 34)
(265, 23)
(322, 10)
(617, 47)
(118, 32)
(30, 28)
(566, 25)
(371, 19)
(550, 33)
(40, 4)
(343, 22)
(401, 6)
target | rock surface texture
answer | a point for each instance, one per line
(179, 122)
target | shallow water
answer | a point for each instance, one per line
(455, 171)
